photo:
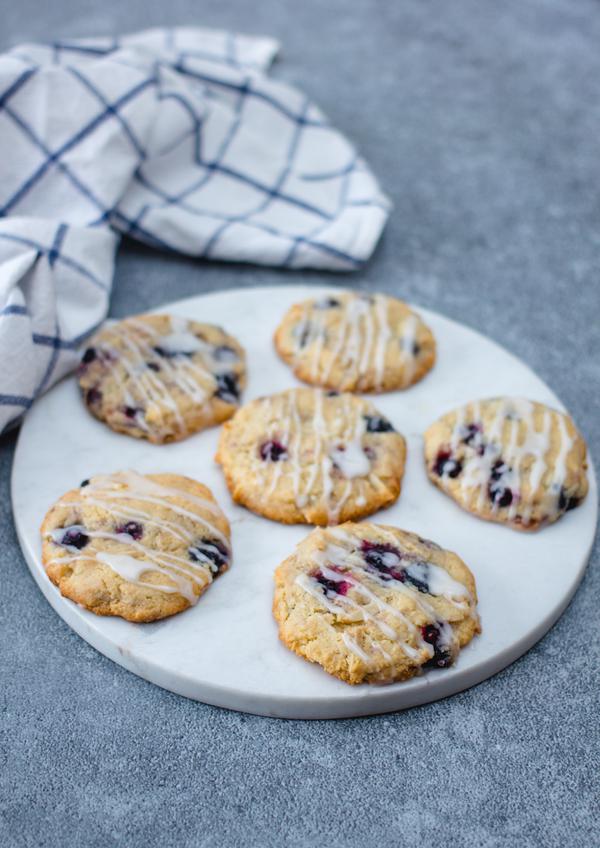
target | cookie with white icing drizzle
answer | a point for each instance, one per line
(509, 460)
(374, 604)
(356, 342)
(311, 457)
(142, 547)
(161, 377)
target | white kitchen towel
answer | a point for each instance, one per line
(178, 138)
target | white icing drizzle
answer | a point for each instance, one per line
(358, 342)
(145, 387)
(525, 455)
(359, 600)
(188, 576)
(334, 457)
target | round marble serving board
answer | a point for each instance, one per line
(225, 650)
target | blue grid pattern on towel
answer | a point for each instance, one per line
(211, 158)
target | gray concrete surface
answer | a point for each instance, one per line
(482, 120)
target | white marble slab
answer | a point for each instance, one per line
(225, 650)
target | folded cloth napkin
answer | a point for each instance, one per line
(178, 138)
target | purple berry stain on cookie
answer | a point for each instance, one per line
(378, 424)
(210, 552)
(446, 466)
(132, 528)
(442, 657)
(227, 387)
(74, 537)
(499, 493)
(273, 451)
(338, 587)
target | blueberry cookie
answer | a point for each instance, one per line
(356, 343)
(374, 604)
(311, 457)
(508, 460)
(138, 546)
(161, 378)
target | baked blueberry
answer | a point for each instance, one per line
(446, 465)
(378, 424)
(499, 494)
(442, 658)
(273, 451)
(93, 397)
(131, 528)
(212, 550)
(338, 587)
(227, 387)
(74, 537)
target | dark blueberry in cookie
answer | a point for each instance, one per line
(383, 558)
(386, 560)
(89, 355)
(442, 658)
(327, 303)
(131, 411)
(416, 348)
(132, 528)
(212, 550)
(93, 396)
(153, 366)
(227, 387)
(171, 354)
(445, 465)
(338, 587)
(500, 495)
(469, 433)
(416, 575)
(273, 451)
(84, 483)
(74, 537)
(332, 393)
(567, 503)
(302, 332)
(378, 424)
(224, 353)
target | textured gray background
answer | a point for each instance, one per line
(482, 120)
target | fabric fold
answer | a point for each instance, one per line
(178, 138)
